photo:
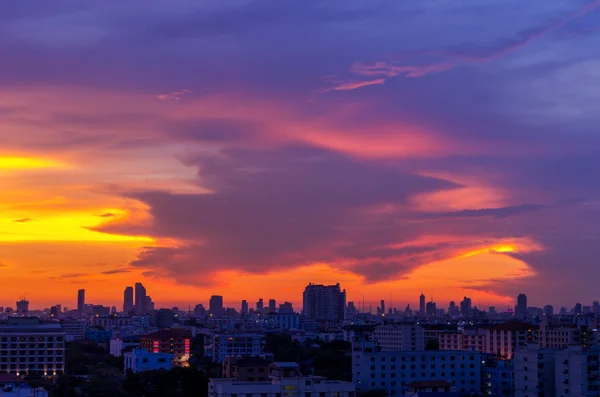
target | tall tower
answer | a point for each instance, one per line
(422, 305)
(321, 302)
(140, 298)
(128, 305)
(383, 307)
(81, 301)
(216, 305)
(521, 308)
(244, 308)
(272, 306)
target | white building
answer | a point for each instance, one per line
(534, 371)
(139, 360)
(117, 345)
(577, 372)
(29, 345)
(395, 371)
(284, 381)
(224, 345)
(399, 336)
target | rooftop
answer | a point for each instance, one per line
(29, 324)
(168, 333)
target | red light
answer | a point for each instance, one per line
(155, 347)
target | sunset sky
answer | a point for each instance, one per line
(249, 147)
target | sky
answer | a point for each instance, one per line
(249, 147)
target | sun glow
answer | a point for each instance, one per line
(27, 163)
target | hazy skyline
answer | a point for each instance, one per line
(205, 147)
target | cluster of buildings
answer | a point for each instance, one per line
(462, 350)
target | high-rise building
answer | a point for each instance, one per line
(422, 305)
(430, 309)
(272, 306)
(164, 318)
(382, 307)
(465, 307)
(577, 309)
(596, 307)
(521, 307)
(128, 305)
(22, 306)
(140, 299)
(549, 310)
(259, 305)
(326, 303)
(81, 301)
(215, 305)
(148, 304)
(244, 310)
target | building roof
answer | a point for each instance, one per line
(286, 364)
(6, 377)
(29, 324)
(429, 383)
(513, 326)
(168, 333)
(251, 361)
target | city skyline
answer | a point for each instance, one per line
(205, 148)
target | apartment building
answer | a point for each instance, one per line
(28, 345)
(577, 372)
(534, 371)
(395, 371)
(236, 345)
(176, 342)
(399, 336)
(284, 380)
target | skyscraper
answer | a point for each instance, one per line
(140, 298)
(215, 305)
(272, 306)
(422, 305)
(259, 305)
(383, 307)
(521, 307)
(431, 308)
(326, 303)
(244, 310)
(81, 301)
(128, 300)
(465, 307)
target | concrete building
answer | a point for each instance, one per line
(140, 299)
(399, 336)
(534, 371)
(164, 318)
(503, 339)
(557, 336)
(112, 321)
(81, 302)
(244, 308)
(128, 305)
(98, 334)
(236, 345)
(246, 368)
(172, 341)
(395, 371)
(521, 307)
(74, 329)
(215, 305)
(22, 306)
(139, 360)
(118, 345)
(12, 385)
(284, 380)
(498, 376)
(577, 372)
(324, 303)
(28, 344)
(422, 306)
(272, 306)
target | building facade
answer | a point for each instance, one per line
(176, 342)
(29, 345)
(395, 371)
(140, 360)
(534, 371)
(324, 303)
(236, 345)
(284, 380)
(399, 336)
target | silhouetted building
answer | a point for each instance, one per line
(23, 306)
(549, 310)
(422, 306)
(465, 307)
(244, 309)
(164, 318)
(521, 307)
(128, 305)
(272, 306)
(326, 303)
(81, 301)
(140, 298)
(215, 305)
